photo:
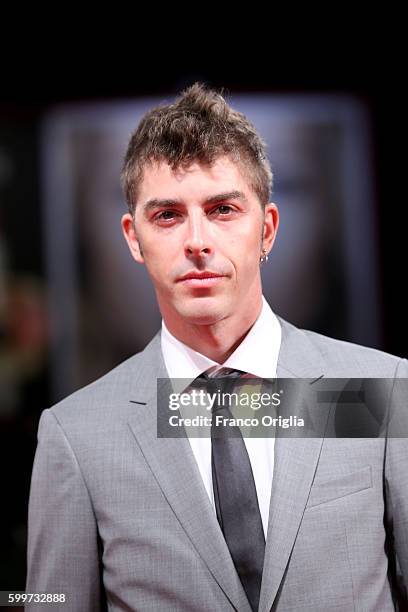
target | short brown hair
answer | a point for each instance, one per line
(199, 127)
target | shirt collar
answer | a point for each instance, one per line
(257, 354)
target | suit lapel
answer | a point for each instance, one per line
(296, 458)
(175, 469)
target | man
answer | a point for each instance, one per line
(122, 518)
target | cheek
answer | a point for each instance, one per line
(244, 247)
(158, 251)
(163, 267)
(246, 266)
(157, 265)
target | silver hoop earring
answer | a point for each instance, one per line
(264, 257)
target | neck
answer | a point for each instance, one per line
(218, 340)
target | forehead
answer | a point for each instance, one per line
(197, 180)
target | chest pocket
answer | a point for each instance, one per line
(341, 486)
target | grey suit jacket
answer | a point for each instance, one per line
(120, 519)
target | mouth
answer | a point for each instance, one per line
(201, 280)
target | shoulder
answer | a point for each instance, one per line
(109, 397)
(340, 358)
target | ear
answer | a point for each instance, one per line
(270, 226)
(129, 232)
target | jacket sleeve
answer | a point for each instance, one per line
(396, 482)
(63, 555)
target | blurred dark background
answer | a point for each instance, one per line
(29, 93)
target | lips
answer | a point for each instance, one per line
(200, 275)
(201, 279)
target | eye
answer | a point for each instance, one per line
(223, 210)
(165, 215)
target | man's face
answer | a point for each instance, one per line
(200, 232)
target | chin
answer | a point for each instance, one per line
(203, 312)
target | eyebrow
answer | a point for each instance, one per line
(219, 197)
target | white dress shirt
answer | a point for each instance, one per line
(258, 355)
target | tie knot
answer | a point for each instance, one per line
(212, 374)
(221, 379)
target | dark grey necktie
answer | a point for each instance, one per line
(235, 494)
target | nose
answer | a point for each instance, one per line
(197, 241)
